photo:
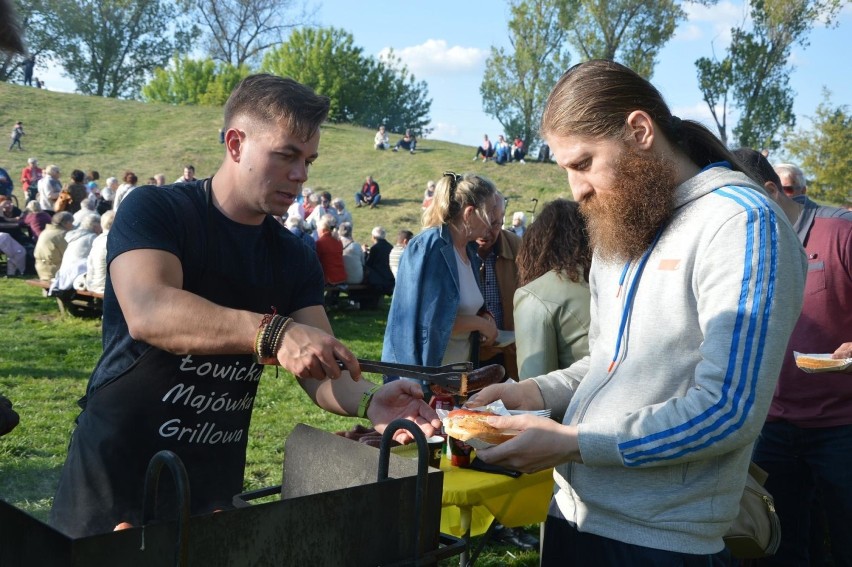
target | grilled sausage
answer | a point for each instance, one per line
(472, 381)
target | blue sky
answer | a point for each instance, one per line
(446, 43)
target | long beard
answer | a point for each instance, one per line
(623, 222)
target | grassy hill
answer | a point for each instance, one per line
(111, 136)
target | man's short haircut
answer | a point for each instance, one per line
(794, 172)
(94, 175)
(379, 232)
(345, 229)
(189, 166)
(61, 218)
(338, 201)
(403, 236)
(106, 220)
(594, 99)
(33, 206)
(758, 167)
(269, 99)
(78, 176)
(51, 169)
(111, 181)
(32, 161)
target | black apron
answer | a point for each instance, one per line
(199, 407)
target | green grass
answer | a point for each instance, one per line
(45, 359)
(111, 136)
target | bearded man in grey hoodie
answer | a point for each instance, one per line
(696, 285)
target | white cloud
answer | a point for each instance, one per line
(445, 131)
(701, 113)
(435, 57)
(689, 32)
(713, 22)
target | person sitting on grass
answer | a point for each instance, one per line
(518, 151)
(428, 195)
(408, 142)
(486, 150)
(502, 150)
(369, 194)
(381, 141)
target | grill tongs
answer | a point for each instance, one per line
(449, 375)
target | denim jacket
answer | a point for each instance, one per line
(425, 300)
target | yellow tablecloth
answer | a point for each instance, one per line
(481, 497)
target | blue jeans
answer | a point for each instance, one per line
(359, 199)
(802, 462)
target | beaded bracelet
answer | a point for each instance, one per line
(278, 337)
(269, 336)
(268, 333)
(258, 338)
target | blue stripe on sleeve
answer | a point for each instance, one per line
(760, 219)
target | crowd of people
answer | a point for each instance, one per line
(503, 152)
(652, 315)
(60, 235)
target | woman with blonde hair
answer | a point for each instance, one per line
(437, 302)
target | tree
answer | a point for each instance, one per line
(190, 81)
(108, 46)
(824, 151)
(392, 96)
(755, 73)
(631, 32)
(184, 82)
(515, 86)
(326, 60)
(238, 31)
(363, 90)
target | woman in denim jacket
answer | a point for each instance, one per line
(437, 302)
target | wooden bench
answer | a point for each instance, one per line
(77, 302)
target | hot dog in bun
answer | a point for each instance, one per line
(465, 424)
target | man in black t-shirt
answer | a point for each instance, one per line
(201, 280)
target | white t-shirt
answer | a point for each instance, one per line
(470, 301)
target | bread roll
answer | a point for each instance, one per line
(465, 424)
(812, 363)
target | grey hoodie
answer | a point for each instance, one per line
(667, 416)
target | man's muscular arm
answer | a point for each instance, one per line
(148, 284)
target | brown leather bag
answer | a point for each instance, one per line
(756, 531)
